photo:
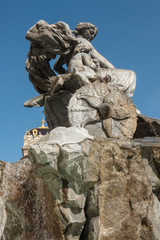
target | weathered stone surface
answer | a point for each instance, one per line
(100, 102)
(27, 208)
(103, 92)
(102, 109)
(87, 190)
(76, 52)
(63, 135)
(147, 127)
(55, 109)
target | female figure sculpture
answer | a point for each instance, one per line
(76, 52)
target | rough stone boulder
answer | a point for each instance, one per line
(75, 187)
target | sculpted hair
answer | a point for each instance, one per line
(85, 25)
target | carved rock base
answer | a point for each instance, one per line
(84, 190)
(103, 109)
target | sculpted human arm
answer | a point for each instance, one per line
(58, 66)
(104, 63)
(86, 59)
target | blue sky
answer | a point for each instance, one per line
(128, 36)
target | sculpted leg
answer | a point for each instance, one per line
(125, 80)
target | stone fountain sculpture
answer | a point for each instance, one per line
(90, 93)
(89, 178)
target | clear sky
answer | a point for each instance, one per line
(128, 36)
